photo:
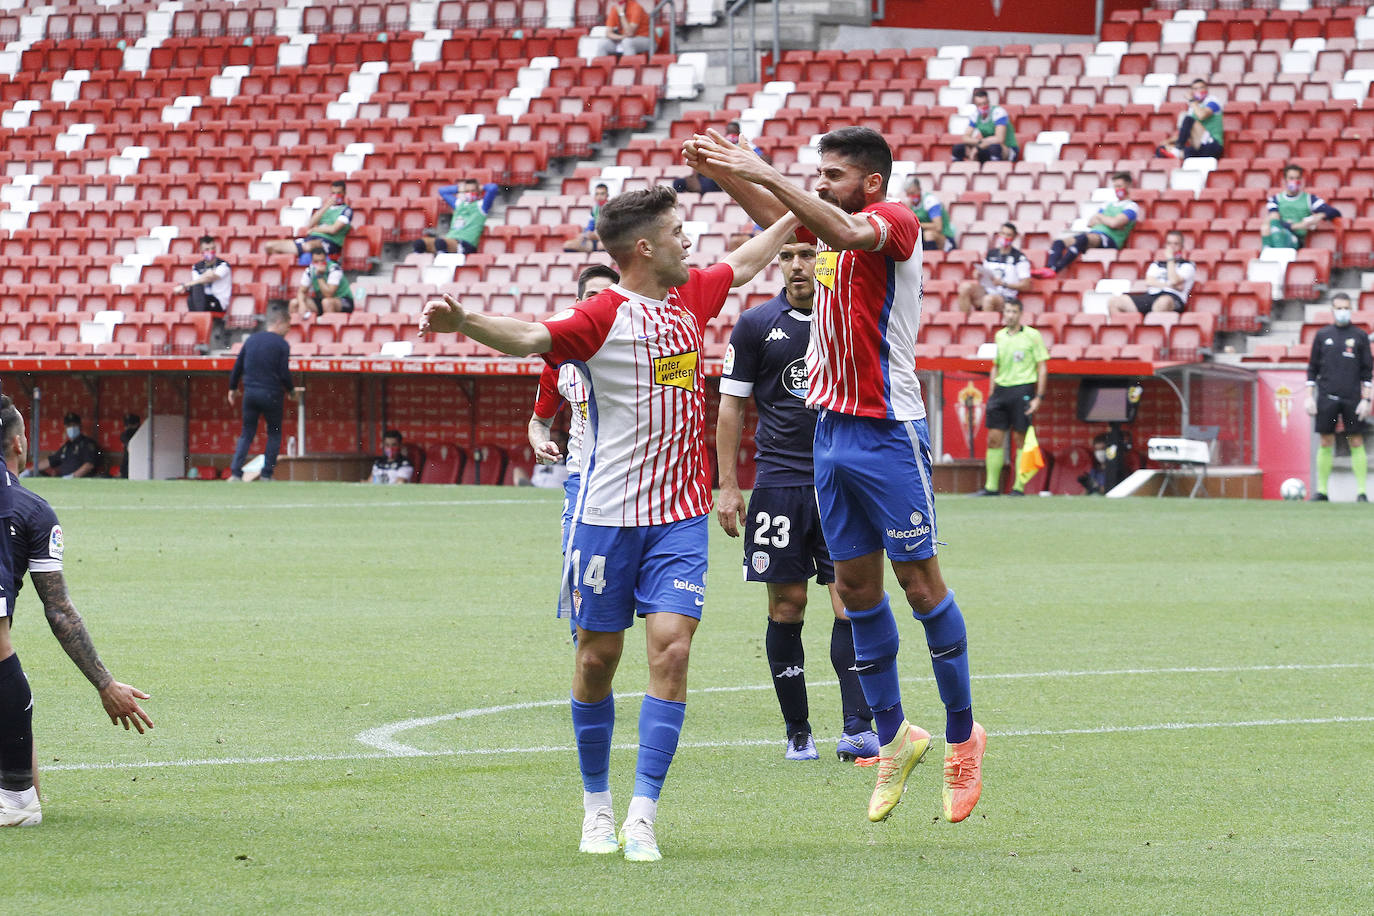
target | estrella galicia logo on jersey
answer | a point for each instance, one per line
(729, 366)
(759, 561)
(55, 542)
(827, 263)
(678, 370)
(794, 378)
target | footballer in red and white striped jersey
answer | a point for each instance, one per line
(644, 449)
(557, 385)
(862, 358)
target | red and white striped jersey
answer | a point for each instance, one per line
(862, 358)
(555, 387)
(644, 446)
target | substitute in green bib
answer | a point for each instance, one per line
(1109, 227)
(937, 233)
(1019, 374)
(1200, 132)
(471, 202)
(323, 288)
(1294, 212)
(326, 231)
(990, 135)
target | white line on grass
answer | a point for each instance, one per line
(383, 737)
(237, 507)
(752, 742)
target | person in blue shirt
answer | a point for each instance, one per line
(264, 368)
(784, 546)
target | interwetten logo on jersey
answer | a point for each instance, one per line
(827, 263)
(678, 370)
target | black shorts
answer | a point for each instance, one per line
(1329, 408)
(1145, 302)
(1007, 407)
(783, 541)
(345, 304)
(331, 248)
(455, 245)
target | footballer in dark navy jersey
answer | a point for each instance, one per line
(784, 545)
(35, 546)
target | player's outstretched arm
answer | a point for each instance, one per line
(756, 254)
(509, 335)
(120, 700)
(730, 506)
(840, 230)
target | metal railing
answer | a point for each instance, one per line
(654, 17)
(732, 13)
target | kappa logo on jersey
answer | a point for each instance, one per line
(777, 334)
(759, 561)
(55, 542)
(794, 378)
(827, 264)
(678, 370)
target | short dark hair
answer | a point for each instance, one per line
(863, 146)
(393, 434)
(980, 92)
(1293, 167)
(1124, 176)
(1340, 296)
(206, 240)
(278, 315)
(1012, 226)
(71, 417)
(591, 273)
(338, 183)
(1198, 79)
(319, 253)
(11, 421)
(626, 217)
(1177, 232)
(602, 187)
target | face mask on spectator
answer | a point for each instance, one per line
(1342, 316)
(391, 452)
(74, 431)
(1101, 455)
(1003, 242)
(208, 255)
(1120, 193)
(733, 138)
(1294, 187)
(1200, 95)
(983, 112)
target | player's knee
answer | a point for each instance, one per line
(787, 605)
(992, 302)
(923, 586)
(1083, 241)
(669, 659)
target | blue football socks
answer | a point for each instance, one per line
(593, 724)
(660, 726)
(948, 641)
(875, 658)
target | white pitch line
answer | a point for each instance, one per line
(383, 736)
(747, 742)
(237, 507)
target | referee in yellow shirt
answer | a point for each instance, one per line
(1018, 386)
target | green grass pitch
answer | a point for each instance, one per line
(1179, 697)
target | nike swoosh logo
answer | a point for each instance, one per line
(858, 670)
(911, 547)
(944, 653)
(700, 601)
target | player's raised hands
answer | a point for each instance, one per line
(736, 159)
(121, 704)
(442, 316)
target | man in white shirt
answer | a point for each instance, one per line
(209, 289)
(1169, 280)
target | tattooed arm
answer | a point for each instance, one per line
(120, 700)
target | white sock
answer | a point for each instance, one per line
(19, 799)
(642, 807)
(593, 800)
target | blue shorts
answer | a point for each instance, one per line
(570, 487)
(610, 575)
(873, 485)
(783, 540)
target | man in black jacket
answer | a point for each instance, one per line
(264, 367)
(1339, 386)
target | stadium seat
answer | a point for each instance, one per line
(444, 464)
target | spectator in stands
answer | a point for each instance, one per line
(627, 29)
(1294, 212)
(1340, 385)
(1199, 127)
(1168, 281)
(1094, 479)
(392, 466)
(323, 288)
(209, 288)
(78, 456)
(1004, 273)
(326, 231)
(990, 135)
(264, 367)
(471, 202)
(1109, 227)
(937, 234)
(586, 241)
